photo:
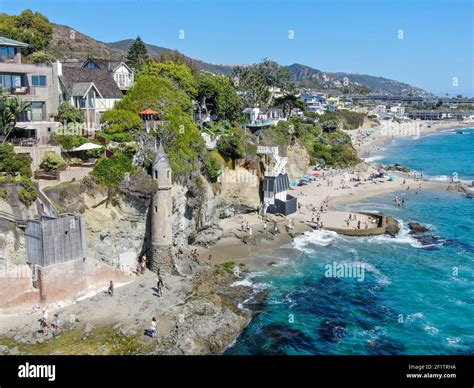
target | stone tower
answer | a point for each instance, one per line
(161, 211)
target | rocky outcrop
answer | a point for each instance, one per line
(298, 161)
(416, 227)
(391, 226)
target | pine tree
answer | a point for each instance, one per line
(137, 54)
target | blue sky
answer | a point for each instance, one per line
(331, 35)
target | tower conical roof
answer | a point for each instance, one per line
(161, 160)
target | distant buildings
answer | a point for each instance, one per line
(35, 83)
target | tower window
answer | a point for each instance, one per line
(156, 209)
(156, 174)
(168, 174)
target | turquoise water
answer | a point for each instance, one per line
(438, 155)
(413, 298)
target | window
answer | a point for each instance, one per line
(38, 81)
(10, 81)
(37, 111)
(7, 53)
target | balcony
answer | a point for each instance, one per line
(21, 90)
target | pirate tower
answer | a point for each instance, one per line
(161, 210)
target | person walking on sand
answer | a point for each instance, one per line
(160, 286)
(143, 264)
(264, 226)
(209, 259)
(153, 328)
(242, 225)
(111, 288)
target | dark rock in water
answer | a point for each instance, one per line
(416, 227)
(429, 240)
(386, 347)
(332, 331)
(276, 338)
(392, 228)
(469, 195)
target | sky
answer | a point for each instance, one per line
(427, 43)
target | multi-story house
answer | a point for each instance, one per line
(91, 90)
(122, 74)
(34, 83)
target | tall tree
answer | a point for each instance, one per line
(137, 54)
(179, 73)
(218, 95)
(32, 28)
(288, 102)
(258, 80)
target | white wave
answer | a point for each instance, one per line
(431, 329)
(244, 283)
(453, 341)
(373, 158)
(317, 237)
(403, 237)
(440, 178)
(412, 317)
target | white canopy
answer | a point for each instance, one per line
(87, 146)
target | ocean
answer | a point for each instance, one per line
(337, 295)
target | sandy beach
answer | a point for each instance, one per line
(344, 187)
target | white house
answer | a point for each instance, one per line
(122, 74)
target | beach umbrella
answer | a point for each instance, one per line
(87, 146)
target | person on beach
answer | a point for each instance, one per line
(110, 290)
(358, 225)
(160, 286)
(242, 225)
(209, 259)
(153, 328)
(44, 321)
(250, 231)
(55, 324)
(264, 226)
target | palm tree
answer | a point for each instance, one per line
(10, 108)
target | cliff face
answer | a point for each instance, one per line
(298, 161)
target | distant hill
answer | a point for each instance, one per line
(68, 43)
(155, 51)
(313, 78)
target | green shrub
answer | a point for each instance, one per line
(111, 172)
(12, 163)
(69, 114)
(53, 162)
(212, 169)
(120, 120)
(69, 142)
(27, 194)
